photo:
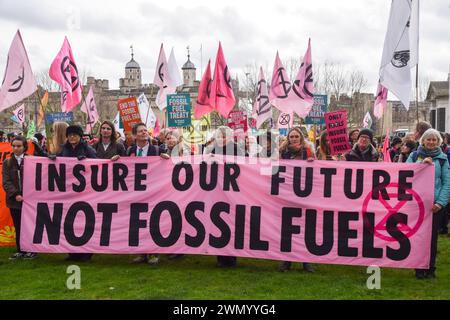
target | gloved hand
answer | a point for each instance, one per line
(81, 157)
(52, 156)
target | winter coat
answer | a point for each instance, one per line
(441, 177)
(370, 155)
(12, 180)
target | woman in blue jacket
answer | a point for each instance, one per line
(429, 152)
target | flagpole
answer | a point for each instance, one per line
(40, 104)
(149, 104)
(417, 92)
(87, 110)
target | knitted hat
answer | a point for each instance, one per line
(366, 132)
(75, 129)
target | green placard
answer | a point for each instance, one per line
(315, 116)
(179, 110)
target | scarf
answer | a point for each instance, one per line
(424, 153)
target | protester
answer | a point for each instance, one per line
(429, 152)
(296, 148)
(421, 127)
(143, 148)
(107, 146)
(268, 145)
(161, 140)
(353, 137)
(59, 137)
(405, 150)
(12, 181)
(324, 150)
(395, 148)
(2, 138)
(252, 148)
(10, 136)
(175, 145)
(76, 147)
(363, 150)
(223, 144)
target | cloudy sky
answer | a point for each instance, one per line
(350, 32)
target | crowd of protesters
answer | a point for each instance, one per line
(426, 145)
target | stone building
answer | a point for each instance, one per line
(438, 97)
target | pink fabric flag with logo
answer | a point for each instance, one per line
(280, 86)
(90, 108)
(18, 81)
(162, 80)
(64, 71)
(20, 114)
(380, 101)
(386, 155)
(203, 103)
(262, 105)
(285, 120)
(301, 97)
(222, 96)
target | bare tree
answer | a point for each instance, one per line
(43, 79)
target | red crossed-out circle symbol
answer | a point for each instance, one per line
(381, 226)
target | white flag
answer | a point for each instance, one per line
(262, 106)
(367, 122)
(174, 71)
(162, 80)
(396, 62)
(147, 115)
(116, 123)
(20, 114)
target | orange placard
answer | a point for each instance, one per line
(7, 230)
(129, 112)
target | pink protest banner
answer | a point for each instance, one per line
(336, 123)
(331, 212)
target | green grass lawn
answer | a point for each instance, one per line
(196, 277)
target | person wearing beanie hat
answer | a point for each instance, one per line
(76, 147)
(363, 150)
(74, 129)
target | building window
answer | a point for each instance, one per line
(433, 118)
(441, 120)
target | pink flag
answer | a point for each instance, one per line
(280, 86)
(386, 155)
(18, 81)
(64, 71)
(380, 101)
(285, 120)
(20, 114)
(222, 96)
(262, 105)
(301, 95)
(156, 129)
(203, 103)
(162, 80)
(90, 108)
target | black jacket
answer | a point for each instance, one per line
(113, 149)
(82, 149)
(12, 180)
(371, 155)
